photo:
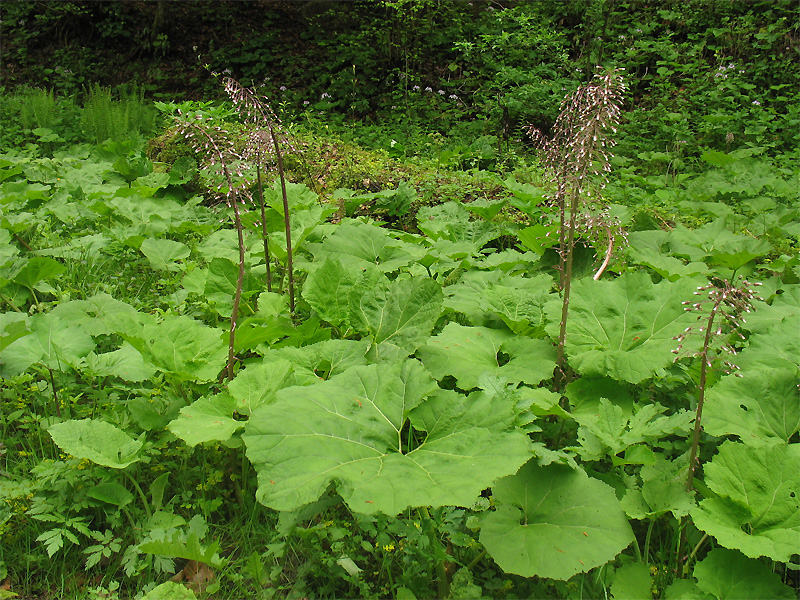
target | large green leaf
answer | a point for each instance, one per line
(611, 431)
(327, 290)
(757, 504)
(170, 590)
(518, 300)
(37, 269)
(778, 346)
(358, 245)
(99, 315)
(322, 360)
(259, 383)
(162, 254)
(785, 304)
(554, 522)
(398, 314)
(352, 431)
(182, 347)
(53, 342)
(206, 419)
(126, 363)
(98, 441)
(762, 407)
(632, 580)
(221, 282)
(624, 328)
(727, 575)
(467, 353)
(663, 489)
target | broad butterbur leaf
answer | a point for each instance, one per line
(169, 590)
(126, 363)
(554, 522)
(467, 353)
(611, 431)
(399, 313)
(37, 269)
(728, 575)
(327, 290)
(624, 328)
(259, 383)
(663, 490)
(183, 347)
(111, 493)
(52, 342)
(761, 407)
(98, 441)
(162, 254)
(357, 245)
(757, 507)
(349, 431)
(632, 580)
(318, 361)
(206, 419)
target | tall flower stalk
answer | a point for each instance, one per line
(579, 148)
(721, 316)
(218, 147)
(264, 140)
(216, 143)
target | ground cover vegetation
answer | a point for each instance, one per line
(401, 299)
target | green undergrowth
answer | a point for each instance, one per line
(402, 433)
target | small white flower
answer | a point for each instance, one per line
(453, 97)
(283, 88)
(306, 103)
(441, 92)
(756, 103)
(429, 89)
(325, 95)
(416, 88)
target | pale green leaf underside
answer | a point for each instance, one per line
(554, 522)
(348, 431)
(98, 441)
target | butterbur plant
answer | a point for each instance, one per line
(580, 148)
(218, 145)
(720, 317)
(264, 141)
